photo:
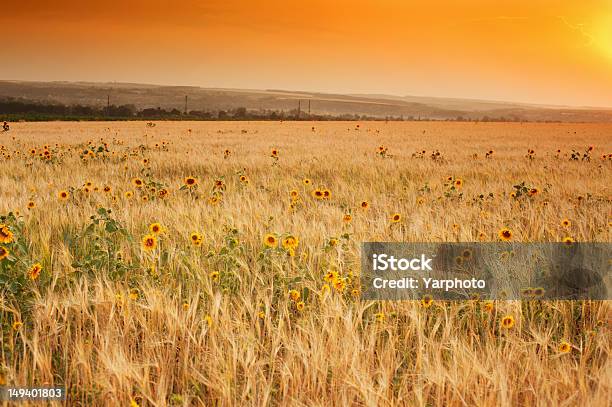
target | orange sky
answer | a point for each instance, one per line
(553, 52)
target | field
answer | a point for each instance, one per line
(217, 263)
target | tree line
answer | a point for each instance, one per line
(21, 109)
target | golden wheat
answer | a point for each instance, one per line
(221, 265)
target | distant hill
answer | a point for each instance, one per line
(214, 99)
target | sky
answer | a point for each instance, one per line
(547, 52)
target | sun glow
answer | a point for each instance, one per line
(602, 37)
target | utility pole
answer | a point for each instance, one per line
(308, 107)
(299, 108)
(185, 105)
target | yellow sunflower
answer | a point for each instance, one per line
(507, 322)
(195, 238)
(317, 193)
(565, 347)
(63, 195)
(156, 228)
(4, 253)
(6, 236)
(137, 182)
(149, 243)
(270, 240)
(34, 271)
(505, 234)
(294, 295)
(396, 218)
(190, 182)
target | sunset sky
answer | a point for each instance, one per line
(550, 52)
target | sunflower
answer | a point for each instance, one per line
(294, 295)
(63, 195)
(427, 301)
(31, 204)
(347, 218)
(290, 242)
(505, 234)
(134, 294)
(300, 306)
(107, 189)
(458, 183)
(34, 271)
(340, 284)
(507, 322)
(380, 317)
(270, 240)
(274, 153)
(190, 182)
(243, 178)
(195, 238)
(4, 253)
(396, 218)
(6, 236)
(489, 306)
(466, 254)
(364, 205)
(163, 193)
(156, 228)
(149, 243)
(307, 181)
(317, 193)
(355, 292)
(326, 194)
(128, 194)
(331, 276)
(566, 223)
(214, 275)
(564, 347)
(17, 325)
(137, 182)
(568, 240)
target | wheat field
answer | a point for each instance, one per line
(217, 263)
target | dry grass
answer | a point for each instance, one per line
(116, 324)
